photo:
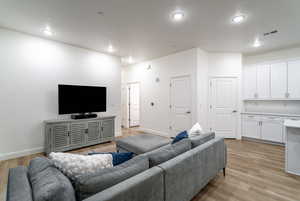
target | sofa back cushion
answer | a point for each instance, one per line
(18, 186)
(201, 139)
(168, 152)
(90, 184)
(48, 183)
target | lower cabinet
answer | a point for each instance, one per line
(272, 129)
(64, 135)
(265, 128)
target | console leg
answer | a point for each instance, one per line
(224, 172)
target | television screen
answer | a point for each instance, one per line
(81, 99)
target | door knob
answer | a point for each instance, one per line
(188, 112)
(234, 111)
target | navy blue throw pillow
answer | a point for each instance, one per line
(180, 136)
(118, 158)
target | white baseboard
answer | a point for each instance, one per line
(152, 131)
(17, 154)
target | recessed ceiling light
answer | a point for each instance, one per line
(238, 19)
(257, 43)
(130, 60)
(47, 31)
(178, 16)
(110, 49)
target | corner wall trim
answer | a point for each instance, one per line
(17, 154)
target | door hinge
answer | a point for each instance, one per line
(170, 106)
(170, 127)
(210, 106)
(170, 85)
(210, 83)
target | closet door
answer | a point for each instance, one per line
(250, 82)
(279, 80)
(263, 81)
(294, 79)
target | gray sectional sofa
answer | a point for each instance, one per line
(174, 172)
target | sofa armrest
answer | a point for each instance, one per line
(146, 186)
(194, 168)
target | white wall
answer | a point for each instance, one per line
(195, 62)
(156, 118)
(31, 69)
(202, 88)
(282, 107)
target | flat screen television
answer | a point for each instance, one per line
(81, 99)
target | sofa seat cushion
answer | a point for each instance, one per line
(90, 184)
(18, 187)
(142, 143)
(167, 152)
(201, 139)
(49, 183)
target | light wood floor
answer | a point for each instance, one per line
(255, 172)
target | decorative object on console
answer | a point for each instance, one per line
(118, 158)
(75, 165)
(180, 136)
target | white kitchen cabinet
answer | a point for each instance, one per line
(294, 79)
(278, 80)
(250, 126)
(272, 129)
(269, 128)
(263, 81)
(249, 82)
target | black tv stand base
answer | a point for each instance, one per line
(83, 116)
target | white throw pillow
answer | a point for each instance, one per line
(74, 165)
(196, 130)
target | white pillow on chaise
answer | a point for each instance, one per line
(195, 130)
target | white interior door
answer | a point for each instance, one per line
(180, 104)
(134, 104)
(223, 106)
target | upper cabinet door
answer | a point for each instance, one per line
(263, 81)
(250, 82)
(278, 80)
(294, 79)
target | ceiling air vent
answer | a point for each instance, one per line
(271, 33)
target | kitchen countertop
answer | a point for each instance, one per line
(292, 123)
(272, 114)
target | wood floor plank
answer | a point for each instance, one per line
(255, 172)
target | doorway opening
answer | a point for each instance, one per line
(133, 104)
